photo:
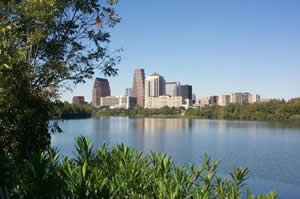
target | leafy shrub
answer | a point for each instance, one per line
(295, 117)
(121, 172)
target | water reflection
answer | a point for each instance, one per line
(153, 124)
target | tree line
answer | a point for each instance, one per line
(275, 110)
(139, 112)
(75, 111)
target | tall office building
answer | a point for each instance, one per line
(194, 98)
(223, 100)
(213, 100)
(78, 100)
(235, 98)
(155, 85)
(173, 88)
(138, 87)
(128, 92)
(203, 102)
(244, 98)
(101, 89)
(254, 98)
(186, 92)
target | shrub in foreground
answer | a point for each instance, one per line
(121, 172)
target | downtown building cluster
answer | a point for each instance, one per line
(155, 92)
(224, 100)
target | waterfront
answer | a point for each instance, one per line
(269, 149)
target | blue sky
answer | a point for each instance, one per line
(216, 46)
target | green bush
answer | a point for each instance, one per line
(122, 172)
(75, 111)
(295, 117)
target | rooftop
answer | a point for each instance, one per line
(101, 79)
(155, 74)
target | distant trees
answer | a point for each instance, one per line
(140, 112)
(76, 111)
(273, 110)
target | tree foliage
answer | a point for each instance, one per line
(76, 111)
(44, 44)
(139, 112)
(274, 110)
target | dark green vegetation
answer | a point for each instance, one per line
(46, 45)
(81, 111)
(76, 111)
(274, 110)
(121, 172)
(140, 112)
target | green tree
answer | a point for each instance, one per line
(44, 45)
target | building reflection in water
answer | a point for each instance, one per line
(151, 125)
(159, 135)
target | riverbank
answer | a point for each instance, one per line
(265, 111)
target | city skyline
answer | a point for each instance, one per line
(171, 89)
(126, 90)
(153, 92)
(219, 48)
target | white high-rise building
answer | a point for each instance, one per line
(155, 85)
(223, 100)
(173, 89)
(254, 98)
(162, 101)
(239, 98)
(244, 98)
(203, 102)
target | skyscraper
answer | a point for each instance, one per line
(223, 100)
(213, 100)
(155, 85)
(186, 92)
(138, 87)
(78, 100)
(194, 98)
(239, 98)
(128, 92)
(254, 98)
(101, 89)
(173, 88)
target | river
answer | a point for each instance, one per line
(270, 149)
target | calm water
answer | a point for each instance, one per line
(270, 149)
